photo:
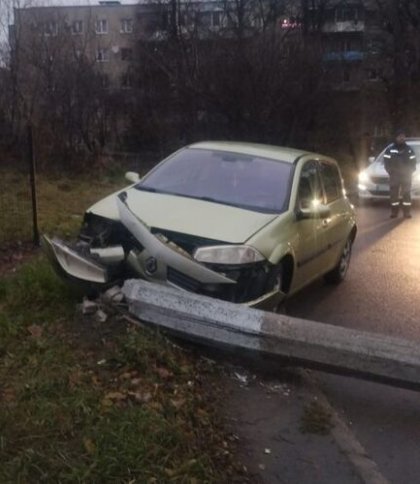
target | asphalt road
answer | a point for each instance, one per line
(381, 294)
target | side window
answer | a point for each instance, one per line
(331, 180)
(309, 185)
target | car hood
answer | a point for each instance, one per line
(187, 215)
(377, 169)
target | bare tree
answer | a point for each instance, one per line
(239, 71)
(55, 84)
(401, 21)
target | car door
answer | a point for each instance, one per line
(336, 226)
(311, 243)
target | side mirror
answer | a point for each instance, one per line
(371, 159)
(320, 211)
(132, 176)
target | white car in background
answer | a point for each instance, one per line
(373, 182)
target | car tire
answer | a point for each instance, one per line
(363, 202)
(279, 308)
(338, 274)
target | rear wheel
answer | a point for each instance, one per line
(339, 272)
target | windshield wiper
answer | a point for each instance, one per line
(208, 199)
(146, 189)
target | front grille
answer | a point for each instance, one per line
(251, 282)
(380, 180)
(182, 280)
(379, 192)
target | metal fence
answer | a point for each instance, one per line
(18, 191)
(18, 187)
(18, 211)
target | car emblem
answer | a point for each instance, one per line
(151, 265)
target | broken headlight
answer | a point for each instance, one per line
(228, 254)
(101, 232)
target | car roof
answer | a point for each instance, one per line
(279, 153)
(409, 141)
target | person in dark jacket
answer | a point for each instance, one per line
(400, 164)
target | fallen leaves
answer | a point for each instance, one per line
(89, 446)
(164, 373)
(140, 396)
(35, 331)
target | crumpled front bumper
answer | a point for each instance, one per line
(158, 261)
(70, 263)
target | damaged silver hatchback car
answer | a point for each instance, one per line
(241, 222)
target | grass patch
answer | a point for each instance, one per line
(316, 419)
(106, 403)
(62, 202)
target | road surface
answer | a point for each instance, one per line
(381, 294)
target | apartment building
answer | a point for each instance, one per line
(104, 34)
(350, 32)
(357, 64)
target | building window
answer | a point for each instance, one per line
(102, 26)
(347, 13)
(126, 26)
(126, 54)
(210, 19)
(50, 28)
(104, 81)
(102, 55)
(374, 74)
(127, 81)
(216, 19)
(77, 27)
(346, 75)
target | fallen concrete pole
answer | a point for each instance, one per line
(292, 341)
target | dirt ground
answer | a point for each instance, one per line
(265, 409)
(12, 256)
(283, 435)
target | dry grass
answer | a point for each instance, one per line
(82, 402)
(61, 203)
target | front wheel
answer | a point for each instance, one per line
(280, 307)
(337, 275)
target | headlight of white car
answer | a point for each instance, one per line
(228, 254)
(363, 177)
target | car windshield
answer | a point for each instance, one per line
(245, 181)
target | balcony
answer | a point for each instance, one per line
(348, 56)
(344, 26)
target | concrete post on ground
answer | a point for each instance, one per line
(292, 341)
